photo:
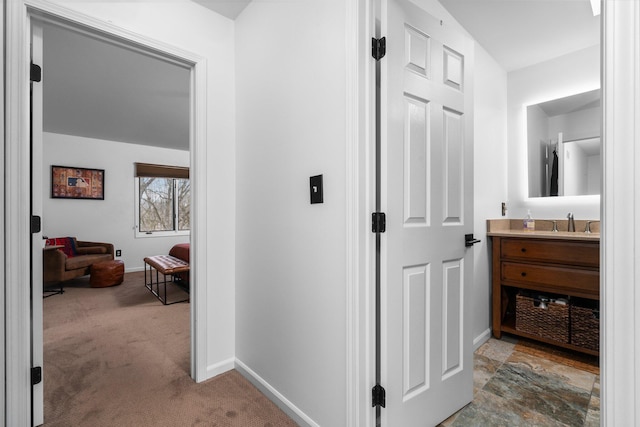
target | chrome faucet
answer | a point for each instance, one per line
(555, 226)
(587, 229)
(572, 224)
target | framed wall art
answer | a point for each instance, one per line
(77, 183)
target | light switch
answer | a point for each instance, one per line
(315, 187)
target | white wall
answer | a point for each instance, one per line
(186, 25)
(594, 166)
(290, 255)
(490, 178)
(577, 125)
(575, 170)
(113, 219)
(574, 73)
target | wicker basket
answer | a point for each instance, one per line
(551, 322)
(585, 327)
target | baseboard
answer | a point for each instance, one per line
(276, 397)
(133, 270)
(218, 368)
(481, 339)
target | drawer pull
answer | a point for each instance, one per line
(523, 250)
(523, 274)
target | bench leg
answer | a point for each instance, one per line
(149, 285)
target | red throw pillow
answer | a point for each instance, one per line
(69, 247)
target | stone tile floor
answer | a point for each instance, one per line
(521, 383)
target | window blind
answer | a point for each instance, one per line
(160, 171)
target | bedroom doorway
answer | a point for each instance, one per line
(102, 148)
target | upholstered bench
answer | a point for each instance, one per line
(166, 265)
(106, 273)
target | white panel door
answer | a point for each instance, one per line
(37, 167)
(427, 193)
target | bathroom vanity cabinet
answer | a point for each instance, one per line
(563, 266)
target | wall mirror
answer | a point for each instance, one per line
(563, 137)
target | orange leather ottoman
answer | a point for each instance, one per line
(107, 273)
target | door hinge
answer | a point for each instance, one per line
(36, 224)
(36, 375)
(36, 73)
(378, 222)
(378, 396)
(378, 48)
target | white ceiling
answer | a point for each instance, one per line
(94, 88)
(229, 8)
(571, 104)
(97, 89)
(520, 33)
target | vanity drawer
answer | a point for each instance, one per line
(553, 251)
(565, 279)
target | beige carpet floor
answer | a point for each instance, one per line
(117, 357)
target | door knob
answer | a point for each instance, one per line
(469, 240)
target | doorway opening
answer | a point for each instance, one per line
(106, 102)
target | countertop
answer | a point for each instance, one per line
(513, 228)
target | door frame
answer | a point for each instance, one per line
(2, 221)
(360, 203)
(620, 207)
(36, 201)
(17, 235)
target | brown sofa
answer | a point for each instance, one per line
(58, 267)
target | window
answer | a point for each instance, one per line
(163, 199)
